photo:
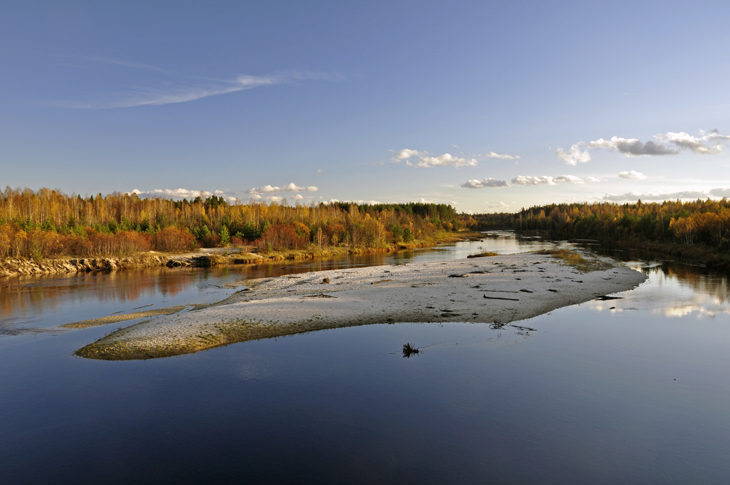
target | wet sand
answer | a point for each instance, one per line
(498, 289)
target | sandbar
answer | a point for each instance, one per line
(498, 289)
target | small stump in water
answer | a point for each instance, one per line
(408, 350)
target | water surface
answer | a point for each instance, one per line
(633, 390)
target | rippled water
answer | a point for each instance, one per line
(629, 390)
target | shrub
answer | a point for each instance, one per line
(173, 239)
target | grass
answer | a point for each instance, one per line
(577, 260)
(483, 254)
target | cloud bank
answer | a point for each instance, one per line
(178, 193)
(528, 180)
(686, 194)
(182, 194)
(670, 143)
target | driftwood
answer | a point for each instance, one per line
(500, 298)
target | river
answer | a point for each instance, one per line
(631, 390)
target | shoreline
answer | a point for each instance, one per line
(205, 258)
(490, 290)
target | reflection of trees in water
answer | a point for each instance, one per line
(40, 294)
(44, 294)
(700, 280)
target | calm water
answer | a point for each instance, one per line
(633, 390)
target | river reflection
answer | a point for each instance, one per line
(629, 390)
(36, 303)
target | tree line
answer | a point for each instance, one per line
(695, 223)
(47, 223)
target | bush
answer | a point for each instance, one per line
(279, 236)
(173, 239)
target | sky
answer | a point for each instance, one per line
(489, 106)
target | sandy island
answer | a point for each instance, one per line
(498, 289)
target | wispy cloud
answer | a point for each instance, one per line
(632, 175)
(187, 88)
(669, 143)
(272, 189)
(124, 63)
(182, 94)
(503, 156)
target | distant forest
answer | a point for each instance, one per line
(47, 223)
(702, 225)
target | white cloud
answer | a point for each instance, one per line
(297, 196)
(425, 160)
(497, 155)
(669, 143)
(575, 155)
(540, 180)
(632, 175)
(487, 182)
(632, 147)
(405, 154)
(444, 160)
(416, 158)
(696, 144)
(548, 180)
(179, 193)
(569, 179)
(292, 187)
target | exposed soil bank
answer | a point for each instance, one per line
(490, 290)
(203, 258)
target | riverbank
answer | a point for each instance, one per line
(207, 257)
(493, 290)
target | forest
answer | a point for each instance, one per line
(697, 229)
(48, 223)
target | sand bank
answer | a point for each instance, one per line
(95, 322)
(498, 289)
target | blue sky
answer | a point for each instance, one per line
(468, 103)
